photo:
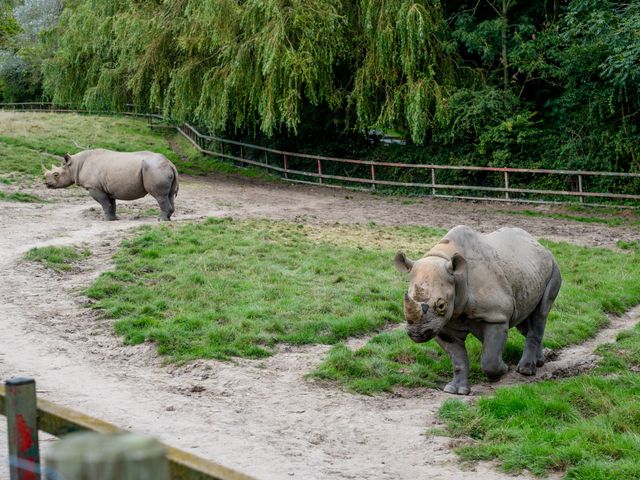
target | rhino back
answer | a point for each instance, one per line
(488, 291)
(527, 267)
(507, 272)
(119, 174)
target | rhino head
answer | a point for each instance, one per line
(59, 177)
(434, 284)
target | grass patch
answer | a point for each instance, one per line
(25, 135)
(587, 426)
(632, 245)
(609, 217)
(18, 162)
(57, 258)
(227, 288)
(56, 133)
(596, 282)
(20, 197)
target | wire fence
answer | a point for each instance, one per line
(446, 181)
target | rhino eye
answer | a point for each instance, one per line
(440, 307)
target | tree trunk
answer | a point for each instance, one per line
(505, 64)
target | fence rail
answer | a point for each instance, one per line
(58, 421)
(248, 154)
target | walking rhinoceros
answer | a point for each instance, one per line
(483, 285)
(111, 176)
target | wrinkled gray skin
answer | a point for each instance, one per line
(483, 285)
(111, 176)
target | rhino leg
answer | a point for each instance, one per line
(524, 330)
(166, 207)
(453, 344)
(533, 327)
(494, 336)
(108, 203)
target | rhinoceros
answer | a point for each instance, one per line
(481, 284)
(111, 176)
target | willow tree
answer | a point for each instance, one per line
(405, 72)
(8, 24)
(257, 64)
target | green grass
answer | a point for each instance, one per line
(609, 217)
(57, 258)
(234, 288)
(228, 288)
(632, 245)
(20, 197)
(25, 135)
(596, 282)
(56, 134)
(18, 162)
(587, 426)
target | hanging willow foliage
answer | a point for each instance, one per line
(256, 64)
(404, 73)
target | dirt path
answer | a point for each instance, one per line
(260, 417)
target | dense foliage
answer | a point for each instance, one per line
(25, 47)
(492, 82)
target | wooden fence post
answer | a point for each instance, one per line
(506, 185)
(286, 167)
(373, 176)
(22, 423)
(319, 171)
(433, 181)
(106, 456)
(580, 188)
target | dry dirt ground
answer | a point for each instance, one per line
(260, 417)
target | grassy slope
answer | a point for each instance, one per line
(24, 135)
(56, 134)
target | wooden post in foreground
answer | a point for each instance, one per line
(106, 456)
(22, 426)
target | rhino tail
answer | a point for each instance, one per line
(174, 185)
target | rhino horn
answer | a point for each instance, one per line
(412, 309)
(44, 169)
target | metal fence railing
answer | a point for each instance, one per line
(476, 183)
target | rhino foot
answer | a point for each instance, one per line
(526, 368)
(457, 389)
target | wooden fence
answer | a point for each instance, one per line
(315, 168)
(58, 421)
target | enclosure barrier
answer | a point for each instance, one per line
(225, 149)
(18, 404)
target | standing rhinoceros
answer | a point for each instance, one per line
(483, 285)
(111, 176)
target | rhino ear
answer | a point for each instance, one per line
(403, 264)
(458, 264)
(66, 160)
